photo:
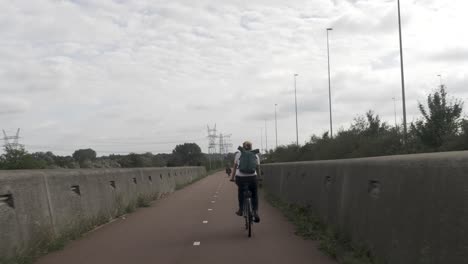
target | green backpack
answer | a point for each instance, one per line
(247, 160)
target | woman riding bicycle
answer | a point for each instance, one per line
(245, 172)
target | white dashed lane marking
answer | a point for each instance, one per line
(213, 201)
(210, 209)
(196, 243)
(205, 222)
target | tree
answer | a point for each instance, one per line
(160, 160)
(66, 162)
(369, 125)
(464, 135)
(19, 158)
(47, 157)
(440, 121)
(84, 156)
(187, 154)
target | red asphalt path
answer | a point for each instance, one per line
(168, 232)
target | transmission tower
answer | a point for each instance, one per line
(227, 143)
(221, 144)
(212, 140)
(14, 144)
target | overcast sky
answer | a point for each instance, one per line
(135, 76)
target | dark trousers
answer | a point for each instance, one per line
(252, 184)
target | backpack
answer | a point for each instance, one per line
(247, 160)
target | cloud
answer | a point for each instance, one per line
(35, 75)
(119, 68)
(458, 85)
(308, 102)
(387, 61)
(10, 105)
(251, 21)
(459, 54)
(366, 17)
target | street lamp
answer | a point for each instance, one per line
(295, 103)
(394, 110)
(266, 138)
(329, 84)
(440, 78)
(261, 139)
(276, 128)
(402, 76)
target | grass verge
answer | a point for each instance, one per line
(47, 243)
(309, 226)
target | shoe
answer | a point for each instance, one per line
(239, 213)
(256, 217)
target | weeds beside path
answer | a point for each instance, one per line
(309, 226)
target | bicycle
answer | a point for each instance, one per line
(247, 211)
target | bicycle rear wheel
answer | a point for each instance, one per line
(245, 214)
(246, 218)
(249, 217)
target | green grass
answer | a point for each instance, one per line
(143, 201)
(309, 226)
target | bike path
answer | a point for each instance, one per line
(180, 229)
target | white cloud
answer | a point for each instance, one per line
(76, 71)
(11, 105)
(459, 54)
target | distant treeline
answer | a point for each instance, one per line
(187, 154)
(441, 127)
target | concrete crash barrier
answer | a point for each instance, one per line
(407, 209)
(37, 206)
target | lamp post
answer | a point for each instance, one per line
(266, 138)
(295, 103)
(329, 84)
(394, 110)
(403, 98)
(261, 139)
(276, 128)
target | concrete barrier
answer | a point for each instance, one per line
(408, 209)
(39, 205)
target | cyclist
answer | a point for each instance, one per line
(228, 170)
(245, 175)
